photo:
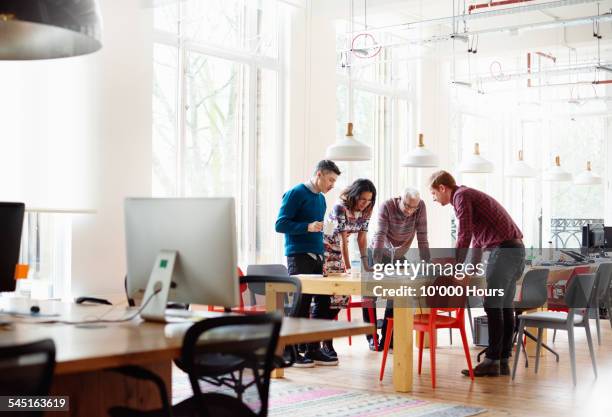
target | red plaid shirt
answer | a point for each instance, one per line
(482, 220)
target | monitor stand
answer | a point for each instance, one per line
(159, 282)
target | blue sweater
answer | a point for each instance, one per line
(299, 208)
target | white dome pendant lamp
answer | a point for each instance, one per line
(475, 163)
(348, 148)
(587, 177)
(556, 173)
(520, 168)
(420, 157)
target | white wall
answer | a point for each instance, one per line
(122, 141)
(77, 134)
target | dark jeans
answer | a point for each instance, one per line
(505, 267)
(388, 314)
(302, 263)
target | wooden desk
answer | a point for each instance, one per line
(84, 355)
(348, 285)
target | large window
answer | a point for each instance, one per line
(216, 125)
(503, 128)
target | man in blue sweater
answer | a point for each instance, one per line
(301, 220)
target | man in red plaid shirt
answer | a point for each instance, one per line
(484, 224)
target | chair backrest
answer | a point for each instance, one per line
(292, 281)
(251, 338)
(578, 293)
(603, 276)
(533, 289)
(27, 369)
(271, 270)
(447, 296)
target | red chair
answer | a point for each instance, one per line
(430, 323)
(367, 303)
(241, 308)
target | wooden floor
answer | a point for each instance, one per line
(548, 393)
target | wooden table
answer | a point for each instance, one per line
(344, 284)
(84, 355)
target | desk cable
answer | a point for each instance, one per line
(101, 320)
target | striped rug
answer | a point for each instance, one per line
(292, 399)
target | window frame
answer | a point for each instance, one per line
(246, 192)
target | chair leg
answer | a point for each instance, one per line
(609, 306)
(348, 317)
(544, 345)
(466, 349)
(538, 348)
(525, 353)
(421, 337)
(375, 334)
(518, 348)
(554, 335)
(432, 356)
(450, 330)
(597, 325)
(388, 335)
(572, 350)
(482, 352)
(590, 342)
(469, 311)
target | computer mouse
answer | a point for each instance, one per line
(92, 300)
(35, 309)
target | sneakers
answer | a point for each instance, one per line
(303, 362)
(320, 358)
(373, 347)
(328, 349)
(485, 369)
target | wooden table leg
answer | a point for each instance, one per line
(402, 348)
(275, 302)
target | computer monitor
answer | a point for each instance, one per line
(608, 237)
(593, 237)
(188, 242)
(11, 224)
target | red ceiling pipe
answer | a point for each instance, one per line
(494, 3)
(603, 82)
(528, 68)
(542, 54)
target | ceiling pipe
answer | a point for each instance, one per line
(542, 54)
(490, 13)
(464, 35)
(495, 4)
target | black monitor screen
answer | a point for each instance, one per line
(608, 237)
(11, 224)
(596, 237)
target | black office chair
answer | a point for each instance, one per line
(226, 370)
(270, 270)
(252, 339)
(533, 295)
(27, 370)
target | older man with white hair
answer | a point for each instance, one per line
(399, 220)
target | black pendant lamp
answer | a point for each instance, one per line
(47, 29)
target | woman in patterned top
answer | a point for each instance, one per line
(350, 215)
